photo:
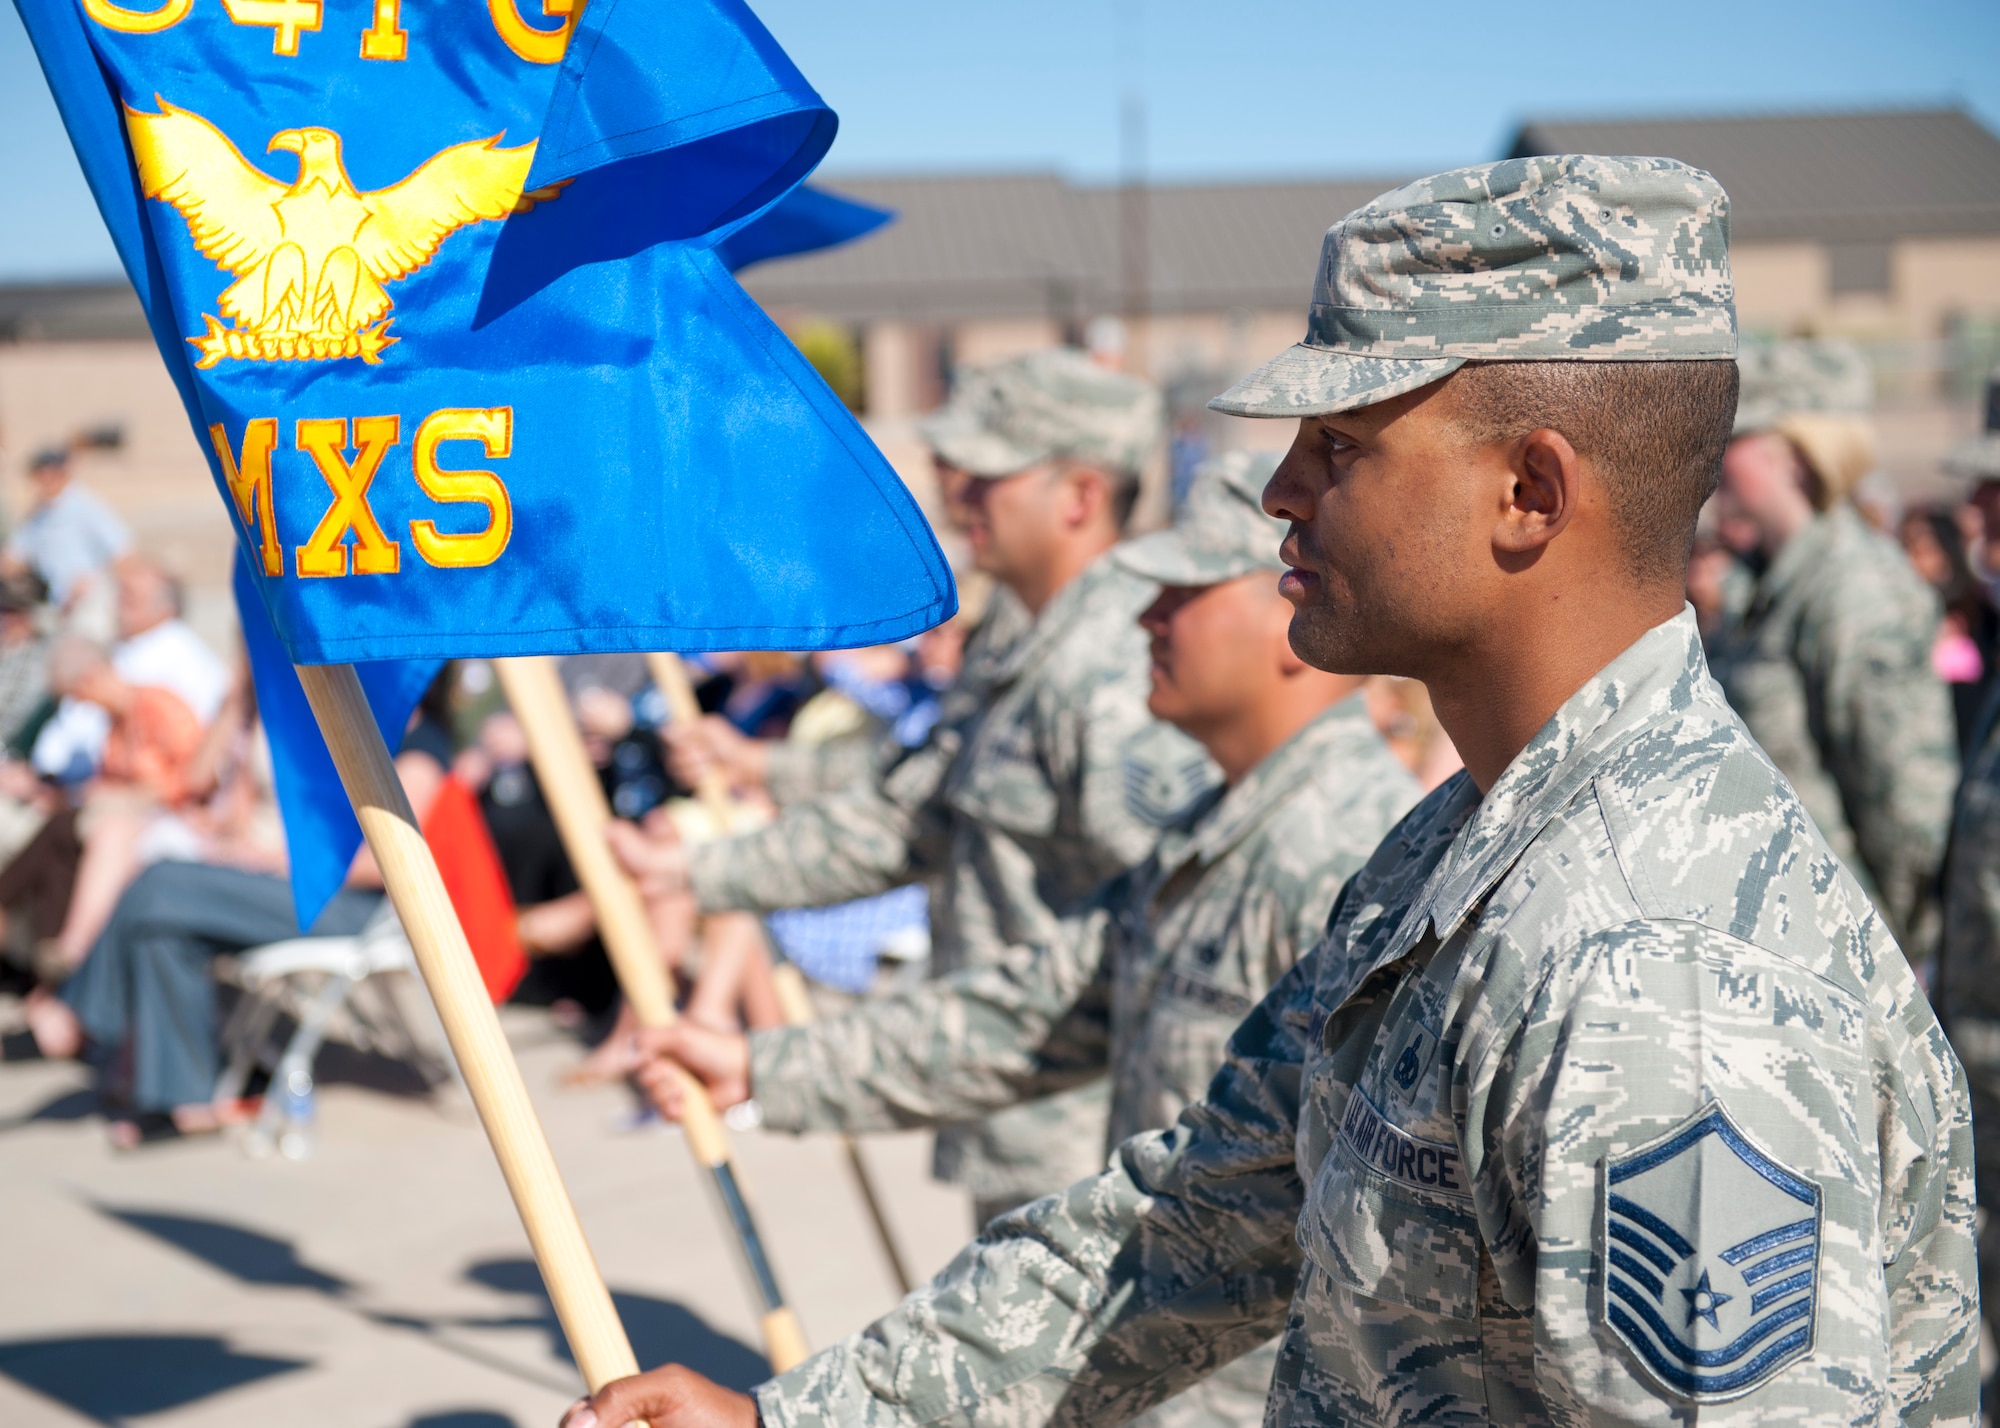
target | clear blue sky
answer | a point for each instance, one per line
(1303, 87)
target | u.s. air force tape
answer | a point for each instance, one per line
(1424, 1165)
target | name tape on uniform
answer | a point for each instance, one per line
(1424, 1165)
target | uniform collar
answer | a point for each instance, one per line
(1005, 625)
(1338, 735)
(1660, 675)
(1032, 646)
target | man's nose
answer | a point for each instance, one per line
(1285, 496)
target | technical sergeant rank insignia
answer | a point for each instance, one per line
(1166, 775)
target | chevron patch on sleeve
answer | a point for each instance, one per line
(1710, 1259)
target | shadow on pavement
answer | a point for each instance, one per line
(113, 1376)
(264, 1261)
(340, 1064)
(661, 1331)
(242, 1254)
(73, 1105)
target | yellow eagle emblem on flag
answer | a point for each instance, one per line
(311, 256)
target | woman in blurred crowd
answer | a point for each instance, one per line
(1969, 634)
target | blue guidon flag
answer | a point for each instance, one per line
(446, 292)
(1710, 1259)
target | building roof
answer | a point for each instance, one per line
(70, 312)
(1033, 245)
(1831, 178)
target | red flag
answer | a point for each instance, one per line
(477, 886)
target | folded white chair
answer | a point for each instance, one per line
(315, 981)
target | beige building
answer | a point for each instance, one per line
(1884, 227)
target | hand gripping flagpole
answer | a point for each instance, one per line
(582, 1303)
(671, 678)
(576, 799)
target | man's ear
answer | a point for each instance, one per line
(1547, 486)
(1088, 494)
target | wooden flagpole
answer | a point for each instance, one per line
(576, 799)
(671, 678)
(582, 1303)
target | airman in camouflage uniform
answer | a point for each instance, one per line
(1830, 663)
(1149, 982)
(1607, 1097)
(1968, 990)
(1044, 777)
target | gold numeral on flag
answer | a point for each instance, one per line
(386, 39)
(286, 18)
(137, 22)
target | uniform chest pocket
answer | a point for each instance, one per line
(1001, 782)
(1389, 1215)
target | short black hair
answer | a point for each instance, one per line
(1655, 431)
(1122, 485)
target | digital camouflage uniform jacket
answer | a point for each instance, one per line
(1830, 668)
(795, 772)
(1606, 1098)
(1969, 967)
(1044, 778)
(1148, 984)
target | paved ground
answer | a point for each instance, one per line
(385, 1283)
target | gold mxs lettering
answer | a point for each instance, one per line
(250, 485)
(325, 440)
(493, 429)
(328, 551)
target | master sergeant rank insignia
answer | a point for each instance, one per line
(1710, 1261)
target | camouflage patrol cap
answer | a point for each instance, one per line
(1575, 257)
(1783, 378)
(1978, 460)
(1221, 531)
(1007, 417)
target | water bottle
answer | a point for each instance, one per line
(297, 1109)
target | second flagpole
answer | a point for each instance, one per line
(576, 799)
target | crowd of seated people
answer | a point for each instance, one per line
(157, 846)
